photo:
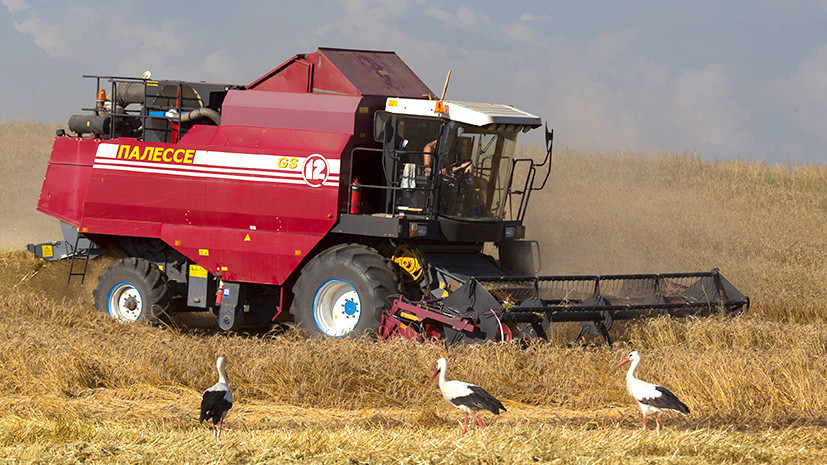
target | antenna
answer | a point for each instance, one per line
(445, 87)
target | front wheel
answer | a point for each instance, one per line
(134, 290)
(343, 291)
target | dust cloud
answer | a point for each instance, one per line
(24, 154)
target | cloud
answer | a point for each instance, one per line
(15, 6)
(519, 32)
(125, 44)
(611, 47)
(705, 109)
(378, 10)
(363, 22)
(533, 17)
(221, 65)
(464, 18)
(468, 19)
(51, 38)
(803, 95)
(59, 32)
(602, 94)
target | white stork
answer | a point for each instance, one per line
(465, 396)
(217, 400)
(651, 398)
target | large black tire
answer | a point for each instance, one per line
(343, 291)
(134, 290)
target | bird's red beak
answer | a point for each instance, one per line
(625, 361)
(434, 376)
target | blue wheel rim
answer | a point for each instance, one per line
(337, 308)
(124, 302)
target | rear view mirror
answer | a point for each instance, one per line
(381, 125)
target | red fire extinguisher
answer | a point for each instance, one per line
(355, 196)
(220, 292)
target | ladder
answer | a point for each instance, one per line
(84, 254)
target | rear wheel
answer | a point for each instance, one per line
(343, 292)
(134, 290)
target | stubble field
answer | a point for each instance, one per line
(79, 388)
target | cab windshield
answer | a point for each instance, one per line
(474, 171)
(449, 168)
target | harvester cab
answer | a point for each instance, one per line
(449, 159)
(335, 192)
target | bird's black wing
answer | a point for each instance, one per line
(666, 400)
(479, 398)
(213, 406)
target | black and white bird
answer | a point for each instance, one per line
(465, 396)
(217, 400)
(651, 398)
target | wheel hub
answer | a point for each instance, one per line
(351, 308)
(130, 303)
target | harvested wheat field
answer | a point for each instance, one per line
(78, 387)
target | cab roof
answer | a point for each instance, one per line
(477, 114)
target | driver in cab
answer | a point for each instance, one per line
(463, 193)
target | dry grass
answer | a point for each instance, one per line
(79, 387)
(83, 442)
(74, 352)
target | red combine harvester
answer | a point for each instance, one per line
(336, 192)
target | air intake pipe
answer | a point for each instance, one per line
(200, 113)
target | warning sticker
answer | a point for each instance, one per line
(197, 271)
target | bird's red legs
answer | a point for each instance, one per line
(478, 421)
(465, 425)
(657, 421)
(220, 424)
(642, 428)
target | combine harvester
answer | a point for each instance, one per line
(337, 192)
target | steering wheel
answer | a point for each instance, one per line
(457, 165)
(458, 169)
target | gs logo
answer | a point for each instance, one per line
(315, 170)
(290, 163)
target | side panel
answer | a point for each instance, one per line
(241, 255)
(67, 178)
(248, 214)
(310, 112)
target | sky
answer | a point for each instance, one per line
(724, 79)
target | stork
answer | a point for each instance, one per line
(651, 398)
(217, 400)
(465, 396)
